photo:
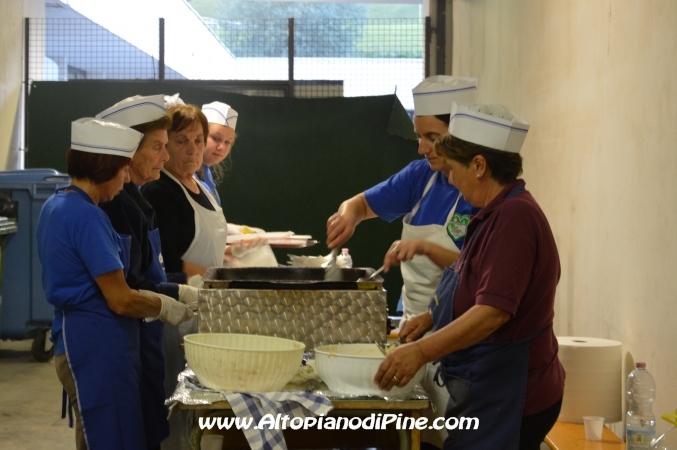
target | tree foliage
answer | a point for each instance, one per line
(247, 9)
(259, 29)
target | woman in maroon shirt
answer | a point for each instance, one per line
(493, 310)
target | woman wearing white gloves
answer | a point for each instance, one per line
(192, 226)
(132, 216)
(84, 261)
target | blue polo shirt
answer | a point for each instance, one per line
(76, 243)
(398, 195)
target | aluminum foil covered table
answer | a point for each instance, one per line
(201, 401)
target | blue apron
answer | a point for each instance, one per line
(102, 348)
(485, 380)
(152, 362)
(208, 182)
(156, 271)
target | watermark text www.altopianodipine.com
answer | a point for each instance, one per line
(373, 422)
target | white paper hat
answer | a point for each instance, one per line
(220, 113)
(434, 95)
(135, 110)
(493, 126)
(171, 100)
(104, 137)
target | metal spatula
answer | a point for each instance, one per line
(376, 272)
(386, 348)
(332, 272)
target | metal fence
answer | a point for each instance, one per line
(315, 57)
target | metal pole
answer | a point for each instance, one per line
(26, 78)
(451, 42)
(426, 47)
(441, 30)
(161, 69)
(290, 54)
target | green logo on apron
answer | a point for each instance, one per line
(458, 226)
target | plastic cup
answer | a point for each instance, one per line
(593, 427)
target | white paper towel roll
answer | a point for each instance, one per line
(593, 378)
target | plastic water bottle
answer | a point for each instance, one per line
(344, 260)
(640, 422)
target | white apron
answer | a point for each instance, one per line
(211, 231)
(206, 250)
(421, 277)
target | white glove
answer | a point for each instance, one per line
(188, 296)
(196, 281)
(245, 247)
(172, 312)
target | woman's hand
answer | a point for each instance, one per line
(404, 251)
(414, 328)
(340, 228)
(399, 367)
(172, 312)
(341, 225)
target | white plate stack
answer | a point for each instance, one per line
(308, 261)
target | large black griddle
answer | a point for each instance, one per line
(289, 278)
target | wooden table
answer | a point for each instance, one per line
(566, 436)
(408, 439)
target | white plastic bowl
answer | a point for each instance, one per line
(243, 362)
(350, 369)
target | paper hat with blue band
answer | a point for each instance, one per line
(434, 95)
(493, 126)
(135, 110)
(217, 112)
(104, 137)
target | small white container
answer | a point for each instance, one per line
(350, 369)
(594, 427)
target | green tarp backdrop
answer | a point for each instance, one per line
(293, 163)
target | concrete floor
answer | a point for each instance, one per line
(30, 402)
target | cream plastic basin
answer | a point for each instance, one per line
(243, 362)
(350, 369)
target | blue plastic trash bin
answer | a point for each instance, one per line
(24, 311)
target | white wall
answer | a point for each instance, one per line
(597, 81)
(12, 13)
